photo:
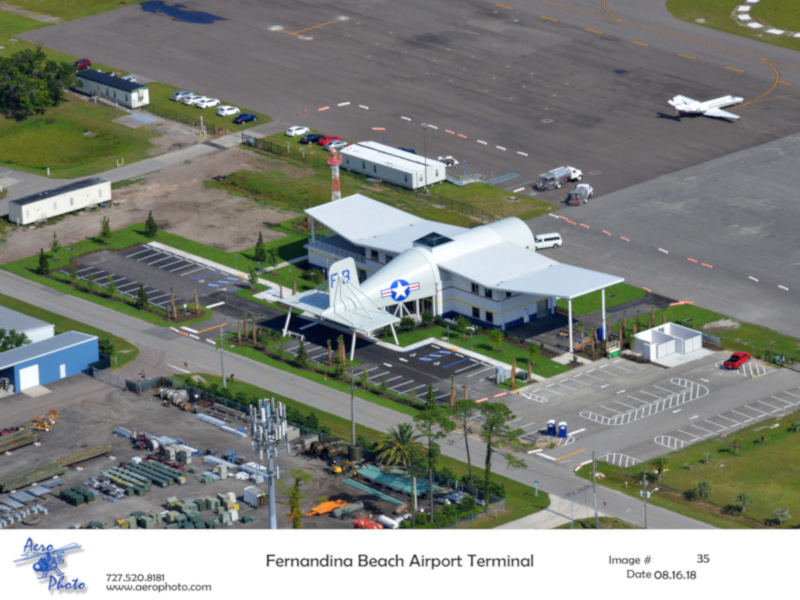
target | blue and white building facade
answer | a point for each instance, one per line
(406, 265)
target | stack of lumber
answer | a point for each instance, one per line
(23, 437)
(84, 455)
(40, 472)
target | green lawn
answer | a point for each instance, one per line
(56, 139)
(521, 499)
(285, 276)
(482, 344)
(124, 351)
(768, 473)
(748, 337)
(479, 196)
(67, 10)
(615, 295)
(160, 94)
(782, 14)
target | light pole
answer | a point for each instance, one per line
(645, 494)
(353, 407)
(222, 356)
(425, 151)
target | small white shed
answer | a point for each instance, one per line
(115, 89)
(666, 339)
(58, 201)
(392, 165)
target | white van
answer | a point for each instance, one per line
(547, 240)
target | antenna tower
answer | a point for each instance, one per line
(268, 431)
(334, 160)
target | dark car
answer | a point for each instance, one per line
(82, 64)
(245, 118)
(736, 360)
(327, 139)
(311, 137)
(411, 150)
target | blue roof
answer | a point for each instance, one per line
(63, 341)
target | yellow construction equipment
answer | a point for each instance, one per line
(44, 422)
(326, 507)
(339, 468)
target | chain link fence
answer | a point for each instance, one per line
(195, 122)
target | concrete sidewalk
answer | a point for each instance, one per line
(560, 512)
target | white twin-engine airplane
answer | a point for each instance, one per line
(709, 108)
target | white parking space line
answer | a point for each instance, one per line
(323, 353)
(754, 409)
(691, 435)
(528, 425)
(416, 388)
(703, 429)
(782, 400)
(186, 266)
(379, 374)
(84, 269)
(133, 283)
(472, 366)
(193, 271)
(555, 392)
(393, 378)
(611, 409)
(669, 392)
(146, 256)
(592, 376)
(608, 372)
(791, 394)
(402, 383)
(368, 370)
(747, 418)
(575, 380)
(626, 405)
(137, 253)
(717, 424)
(644, 402)
(445, 395)
(180, 260)
(160, 296)
(774, 408)
(479, 372)
(727, 419)
(167, 257)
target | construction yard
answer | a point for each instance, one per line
(88, 413)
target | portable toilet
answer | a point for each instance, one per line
(551, 427)
(562, 429)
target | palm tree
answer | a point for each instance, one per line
(399, 446)
(742, 502)
(660, 464)
(703, 489)
(781, 515)
(736, 442)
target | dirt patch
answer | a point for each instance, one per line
(181, 204)
(721, 326)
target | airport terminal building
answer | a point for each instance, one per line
(406, 265)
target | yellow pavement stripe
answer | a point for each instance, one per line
(785, 83)
(504, 6)
(735, 69)
(687, 56)
(548, 18)
(568, 455)
(639, 43)
(594, 30)
(315, 26)
(210, 328)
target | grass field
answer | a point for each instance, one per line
(748, 337)
(716, 14)
(615, 295)
(521, 499)
(73, 9)
(482, 344)
(768, 473)
(160, 94)
(124, 351)
(482, 197)
(56, 140)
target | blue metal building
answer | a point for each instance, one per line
(49, 360)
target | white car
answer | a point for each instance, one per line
(131, 78)
(336, 145)
(207, 103)
(227, 110)
(296, 130)
(181, 95)
(448, 161)
(194, 99)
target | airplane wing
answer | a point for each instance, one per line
(721, 114)
(681, 100)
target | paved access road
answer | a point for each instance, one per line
(163, 354)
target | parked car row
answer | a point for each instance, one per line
(225, 110)
(329, 142)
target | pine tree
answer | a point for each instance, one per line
(142, 301)
(260, 252)
(105, 229)
(253, 277)
(302, 356)
(111, 288)
(150, 226)
(44, 264)
(55, 246)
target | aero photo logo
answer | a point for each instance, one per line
(48, 563)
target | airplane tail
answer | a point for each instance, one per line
(342, 278)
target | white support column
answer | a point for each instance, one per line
(286, 326)
(569, 323)
(603, 310)
(313, 236)
(353, 346)
(394, 334)
(416, 307)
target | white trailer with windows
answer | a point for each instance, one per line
(392, 165)
(58, 201)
